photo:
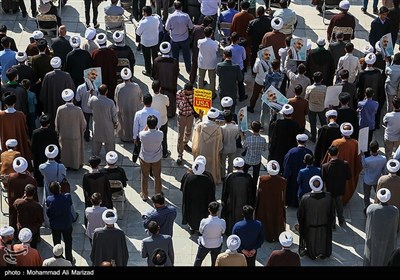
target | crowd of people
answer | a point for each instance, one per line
(57, 86)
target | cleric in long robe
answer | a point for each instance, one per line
(316, 215)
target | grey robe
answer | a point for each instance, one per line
(104, 118)
(381, 234)
(128, 99)
(109, 244)
(70, 125)
(52, 86)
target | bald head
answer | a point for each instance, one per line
(62, 30)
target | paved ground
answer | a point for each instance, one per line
(348, 242)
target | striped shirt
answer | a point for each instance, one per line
(255, 145)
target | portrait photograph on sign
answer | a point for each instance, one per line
(92, 77)
(274, 98)
(242, 119)
(298, 49)
(266, 54)
(386, 43)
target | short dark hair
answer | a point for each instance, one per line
(30, 190)
(298, 89)
(153, 227)
(344, 74)
(41, 45)
(177, 5)
(156, 85)
(255, 126)
(147, 10)
(26, 84)
(158, 198)
(374, 146)
(147, 99)
(344, 97)
(228, 116)
(333, 150)
(234, 37)
(369, 92)
(248, 211)
(283, 3)
(227, 53)
(3, 28)
(383, 10)
(44, 119)
(317, 76)
(55, 187)
(208, 31)
(213, 206)
(152, 121)
(301, 68)
(94, 161)
(396, 102)
(96, 198)
(245, 5)
(103, 89)
(339, 35)
(6, 42)
(207, 20)
(275, 64)
(349, 47)
(231, 4)
(396, 59)
(188, 86)
(11, 74)
(260, 11)
(9, 98)
(308, 159)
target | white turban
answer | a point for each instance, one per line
(302, 137)
(12, 143)
(286, 239)
(20, 165)
(287, 109)
(311, 183)
(126, 73)
(109, 220)
(111, 157)
(90, 33)
(277, 23)
(67, 94)
(370, 58)
(118, 36)
(393, 165)
(213, 113)
(233, 242)
(384, 195)
(101, 39)
(198, 167)
(273, 167)
(331, 113)
(226, 102)
(25, 235)
(202, 159)
(6, 231)
(165, 48)
(75, 41)
(55, 62)
(37, 35)
(51, 151)
(238, 162)
(21, 56)
(345, 132)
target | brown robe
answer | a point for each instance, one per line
(207, 141)
(106, 58)
(392, 183)
(13, 126)
(30, 258)
(270, 206)
(275, 39)
(348, 151)
(29, 214)
(283, 257)
(7, 158)
(71, 136)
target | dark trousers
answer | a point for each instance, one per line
(367, 194)
(184, 45)
(35, 239)
(338, 203)
(202, 253)
(87, 12)
(256, 171)
(257, 89)
(33, 7)
(193, 70)
(242, 92)
(67, 236)
(164, 129)
(149, 54)
(87, 130)
(251, 261)
(137, 6)
(312, 117)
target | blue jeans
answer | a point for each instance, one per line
(374, 5)
(184, 45)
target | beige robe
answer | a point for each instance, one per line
(392, 183)
(70, 125)
(207, 141)
(104, 118)
(128, 100)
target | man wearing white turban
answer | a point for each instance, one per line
(231, 257)
(381, 230)
(391, 181)
(284, 256)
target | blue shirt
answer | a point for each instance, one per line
(303, 179)
(238, 54)
(374, 167)
(32, 102)
(227, 16)
(366, 113)
(164, 216)
(7, 60)
(140, 121)
(251, 234)
(59, 211)
(273, 79)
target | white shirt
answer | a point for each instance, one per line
(392, 122)
(83, 95)
(140, 121)
(160, 103)
(212, 228)
(207, 53)
(261, 68)
(209, 7)
(351, 64)
(148, 30)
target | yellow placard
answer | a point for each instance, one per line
(202, 100)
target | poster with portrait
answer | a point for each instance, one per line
(387, 45)
(93, 76)
(298, 49)
(242, 119)
(266, 54)
(332, 96)
(202, 100)
(274, 98)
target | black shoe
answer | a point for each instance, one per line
(319, 9)
(364, 10)
(87, 139)
(249, 109)
(187, 148)
(24, 15)
(244, 98)
(342, 223)
(179, 161)
(167, 154)
(139, 48)
(76, 218)
(34, 14)
(376, 11)
(97, 25)
(146, 73)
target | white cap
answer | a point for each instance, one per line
(273, 167)
(393, 165)
(90, 33)
(213, 113)
(202, 159)
(311, 183)
(111, 157)
(198, 167)
(126, 73)
(118, 36)
(55, 62)
(331, 113)
(378, 46)
(51, 151)
(286, 239)
(344, 131)
(21, 56)
(20, 165)
(37, 35)
(281, 51)
(321, 41)
(58, 250)
(309, 45)
(370, 58)
(25, 235)
(67, 94)
(277, 23)
(165, 47)
(75, 41)
(368, 49)
(109, 220)
(238, 162)
(6, 231)
(101, 39)
(287, 109)
(226, 102)
(384, 195)
(302, 137)
(233, 242)
(344, 5)
(11, 143)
